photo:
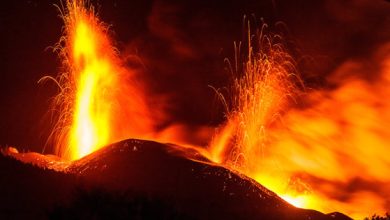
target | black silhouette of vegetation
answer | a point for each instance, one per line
(99, 204)
(378, 217)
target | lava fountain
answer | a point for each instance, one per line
(263, 88)
(319, 149)
(100, 100)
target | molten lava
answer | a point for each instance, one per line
(330, 152)
(100, 101)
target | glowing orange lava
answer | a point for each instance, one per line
(331, 153)
(100, 102)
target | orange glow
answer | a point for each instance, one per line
(298, 201)
(331, 153)
(100, 101)
(91, 116)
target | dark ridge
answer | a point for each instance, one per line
(135, 179)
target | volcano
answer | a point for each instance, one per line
(136, 179)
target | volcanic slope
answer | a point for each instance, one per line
(136, 179)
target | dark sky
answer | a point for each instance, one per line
(182, 45)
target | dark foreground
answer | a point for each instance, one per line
(136, 179)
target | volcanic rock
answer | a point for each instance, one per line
(135, 179)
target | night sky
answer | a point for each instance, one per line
(182, 45)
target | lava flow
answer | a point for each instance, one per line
(100, 101)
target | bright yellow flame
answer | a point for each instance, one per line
(95, 78)
(298, 201)
(92, 110)
(100, 102)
